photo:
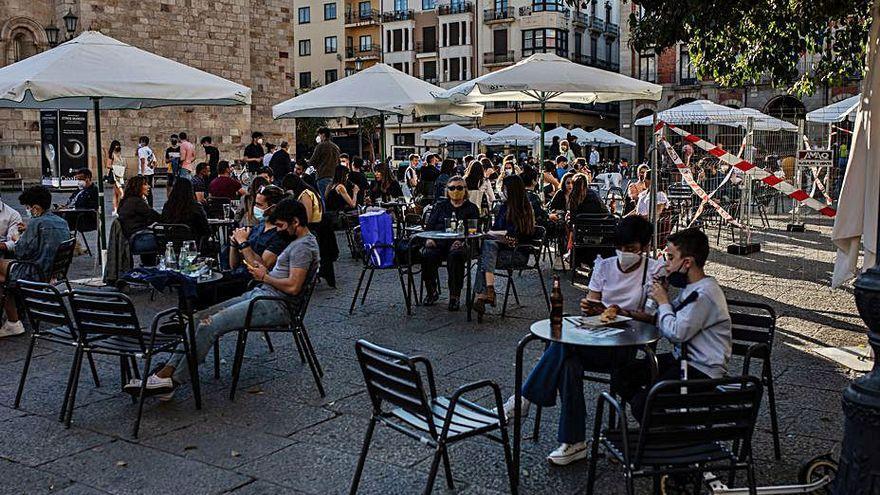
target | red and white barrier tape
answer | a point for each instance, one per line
(746, 166)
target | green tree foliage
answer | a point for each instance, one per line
(737, 42)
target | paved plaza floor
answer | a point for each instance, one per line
(279, 436)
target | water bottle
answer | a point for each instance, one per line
(170, 258)
(183, 259)
(453, 225)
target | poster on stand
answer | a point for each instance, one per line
(49, 142)
(74, 128)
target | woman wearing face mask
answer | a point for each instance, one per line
(116, 168)
(245, 216)
(624, 281)
(182, 208)
(262, 243)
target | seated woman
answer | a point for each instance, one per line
(385, 188)
(633, 189)
(516, 218)
(292, 271)
(457, 206)
(643, 204)
(479, 188)
(182, 208)
(134, 212)
(36, 249)
(337, 198)
(319, 224)
(622, 280)
(549, 178)
(262, 243)
(584, 200)
(245, 216)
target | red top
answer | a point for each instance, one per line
(224, 186)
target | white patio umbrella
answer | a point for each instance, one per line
(705, 112)
(546, 77)
(602, 137)
(580, 134)
(455, 132)
(560, 132)
(513, 134)
(94, 71)
(836, 112)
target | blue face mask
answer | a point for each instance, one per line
(258, 213)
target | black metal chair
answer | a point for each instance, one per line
(530, 261)
(686, 428)
(436, 421)
(174, 233)
(215, 207)
(107, 323)
(57, 271)
(44, 304)
(296, 327)
(368, 257)
(754, 326)
(85, 222)
(593, 233)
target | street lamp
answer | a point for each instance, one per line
(70, 22)
(517, 106)
(358, 64)
(52, 34)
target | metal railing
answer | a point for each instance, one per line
(612, 29)
(397, 15)
(498, 58)
(371, 16)
(366, 51)
(580, 19)
(596, 24)
(491, 15)
(421, 47)
(537, 9)
(455, 8)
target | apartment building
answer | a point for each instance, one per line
(363, 33)
(318, 43)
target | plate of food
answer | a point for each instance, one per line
(609, 316)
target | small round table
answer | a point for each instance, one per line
(439, 235)
(222, 225)
(630, 333)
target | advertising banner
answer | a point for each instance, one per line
(74, 128)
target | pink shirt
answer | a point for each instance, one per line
(187, 155)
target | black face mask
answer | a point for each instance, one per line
(678, 278)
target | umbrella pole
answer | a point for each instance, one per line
(382, 140)
(102, 227)
(652, 194)
(543, 115)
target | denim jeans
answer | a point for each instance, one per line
(225, 317)
(323, 183)
(185, 174)
(488, 257)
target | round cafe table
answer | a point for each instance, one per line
(466, 238)
(630, 333)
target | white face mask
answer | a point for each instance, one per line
(318, 139)
(628, 260)
(81, 184)
(258, 213)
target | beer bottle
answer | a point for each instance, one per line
(556, 304)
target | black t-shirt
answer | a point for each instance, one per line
(254, 150)
(213, 158)
(172, 155)
(358, 178)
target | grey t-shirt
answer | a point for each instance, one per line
(301, 253)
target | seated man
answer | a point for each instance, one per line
(200, 182)
(224, 186)
(10, 225)
(620, 280)
(37, 246)
(84, 198)
(292, 271)
(457, 206)
(697, 322)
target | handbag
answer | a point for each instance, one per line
(378, 238)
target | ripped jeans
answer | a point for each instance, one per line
(228, 316)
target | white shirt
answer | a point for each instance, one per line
(594, 157)
(9, 220)
(643, 206)
(146, 155)
(267, 158)
(623, 289)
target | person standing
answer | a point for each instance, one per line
(325, 158)
(267, 158)
(253, 153)
(280, 162)
(146, 164)
(172, 160)
(116, 167)
(594, 159)
(212, 155)
(187, 157)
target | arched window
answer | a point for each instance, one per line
(643, 136)
(23, 45)
(786, 108)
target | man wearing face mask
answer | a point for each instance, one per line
(696, 321)
(253, 153)
(324, 159)
(621, 281)
(84, 198)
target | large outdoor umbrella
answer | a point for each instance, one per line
(94, 71)
(602, 137)
(513, 134)
(836, 112)
(549, 78)
(560, 132)
(455, 132)
(705, 112)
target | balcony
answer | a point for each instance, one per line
(596, 25)
(455, 8)
(366, 52)
(397, 15)
(687, 81)
(580, 20)
(527, 11)
(422, 47)
(611, 30)
(492, 16)
(580, 58)
(362, 17)
(431, 80)
(496, 59)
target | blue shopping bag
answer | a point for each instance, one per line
(376, 229)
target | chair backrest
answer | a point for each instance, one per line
(752, 323)
(61, 261)
(594, 230)
(103, 313)
(393, 377)
(214, 207)
(306, 295)
(138, 247)
(44, 303)
(175, 233)
(719, 410)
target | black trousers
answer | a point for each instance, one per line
(456, 261)
(633, 382)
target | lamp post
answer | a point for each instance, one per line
(70, 23)
(517, 106)
(52, 34)
(358, 64)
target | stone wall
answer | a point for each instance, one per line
(246, 41)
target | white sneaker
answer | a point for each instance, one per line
(9, 329)
(523, 409)
(155, 385)
(568, 453)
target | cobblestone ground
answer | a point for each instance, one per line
(279, 436)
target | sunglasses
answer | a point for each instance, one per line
(456, 188)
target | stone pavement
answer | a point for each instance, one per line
(279, 436)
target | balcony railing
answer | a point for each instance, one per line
(611, 30)
(455, 8)
(366, 51)
(582, 59)
(421, 47)
(596, 24)
(688, 81)
(526, 11)
(495, 15)
(580, 19)
(492, 58)
(362, 17)
(431, 80)
(397, 15)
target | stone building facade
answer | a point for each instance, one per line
(246, 41)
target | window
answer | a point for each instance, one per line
(366, 43)
(547, 5)
(545, 41)
(401, 5)
(349, 71)
(500, 5)
(455, 68)
(305, 15)
(454, 34)
(686, 73)
(330, 44)
(329, 11)
(330, 76)
(396, 40)
(594, 48)
(365, 10)
(608, 52)
(578, 44)
(429, 4)
(305, 48)
(429, 39)
(429, 71)
(593, 8)
(648, 67)
(305, 80)
(23, 45)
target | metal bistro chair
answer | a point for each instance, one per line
(107, 323)
(174, 233)
(532, 262)
(367, 257)
(57, 271)
(593, 232)
(296, 327)
(686, 429)
(436, 421)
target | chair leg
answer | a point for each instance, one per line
(299, 344)
(435, 465)
(269, 342)
(66, 401)
(536, 430)
(506, 294)
(217, 359)
(94, 370)
(192, 363)
(236, 365)
(304, 333)
(774, 421)
(513, 286)
(357, 290)
(367, 287)
(594, 449)
(363, 457)
(543, 286)
(405, 293)
(448, 469)
(141, 398)
(508, 460)
(24, 371)
(312, 360)
(71, 404)
(134, 368)
(750, 475)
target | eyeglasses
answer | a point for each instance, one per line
(456, 188)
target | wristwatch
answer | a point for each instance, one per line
(243, 245)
